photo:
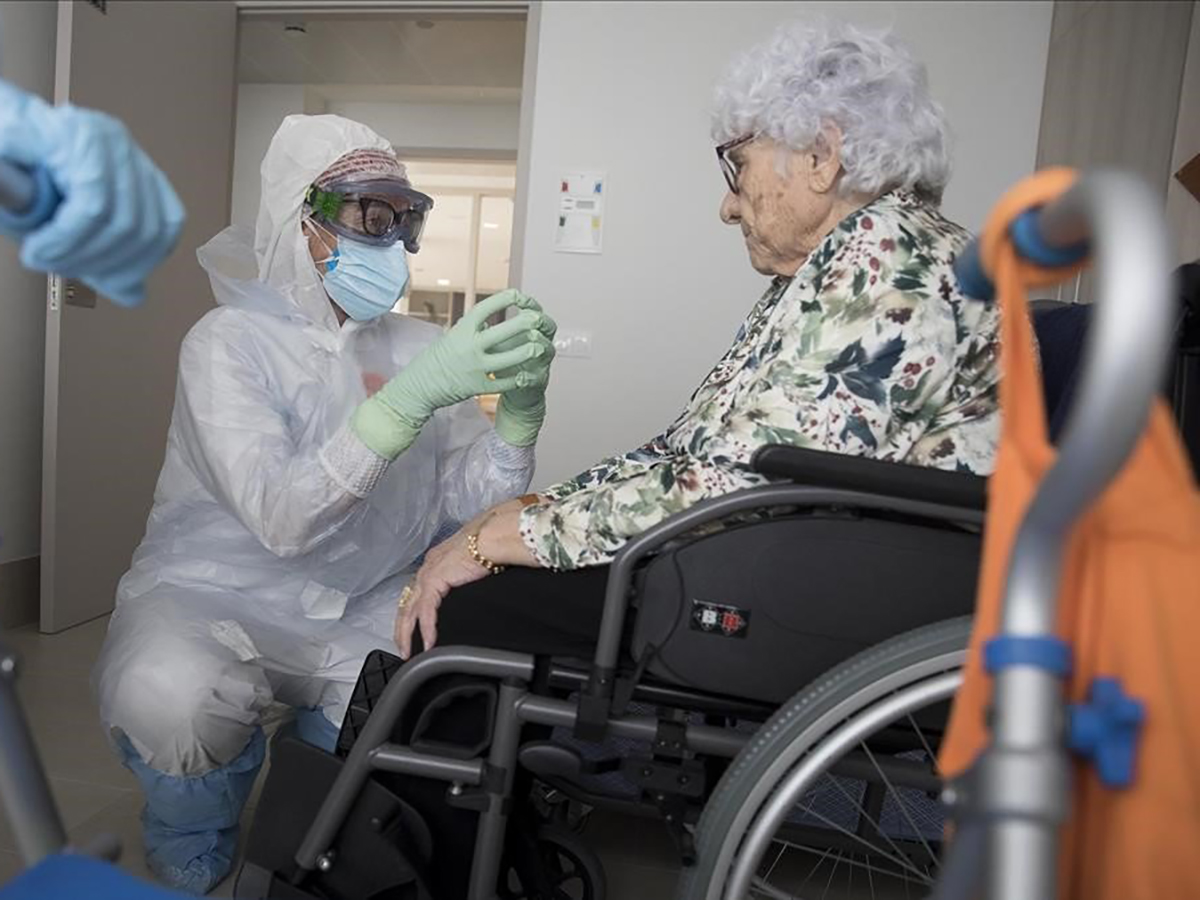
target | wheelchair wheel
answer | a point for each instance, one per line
(838, 793)
(565, 869)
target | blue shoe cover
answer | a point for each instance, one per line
(190, 823)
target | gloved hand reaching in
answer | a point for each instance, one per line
(521, 411)
(454, 368)
(119, 216)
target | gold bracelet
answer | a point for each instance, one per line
(473, 549)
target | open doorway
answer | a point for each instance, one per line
(465, 251)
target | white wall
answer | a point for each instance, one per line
(413, 127)
(260, 110)
(625, 88)
(27, 41)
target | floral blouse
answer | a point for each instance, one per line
(869, 349)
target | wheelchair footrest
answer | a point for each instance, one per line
(546, 759)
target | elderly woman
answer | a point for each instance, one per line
(835, 158)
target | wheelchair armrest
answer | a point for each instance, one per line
(838, 470)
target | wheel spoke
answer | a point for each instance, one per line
(881, 730)
(763, 889)
(903, 808)
(833, 872)
(921, 736)
(816, 866)
(900, 861)
(778, 857)
(865, 866)
(863, 812)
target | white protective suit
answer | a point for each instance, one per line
(278, 543)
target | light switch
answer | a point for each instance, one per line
(573, 342)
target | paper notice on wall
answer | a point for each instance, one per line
(580, 213)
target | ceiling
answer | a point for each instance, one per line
(445, 52)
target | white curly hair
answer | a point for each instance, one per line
(807, 76)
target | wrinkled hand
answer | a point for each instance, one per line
(450, 565)
(447, 566)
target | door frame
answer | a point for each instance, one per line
(51, 359)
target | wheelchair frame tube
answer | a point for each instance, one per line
(1025, 776)
(701, 738)
(496, 664)
(24, 790)
(405, 761)
(576, 679)
(502, 759)
(515, 707)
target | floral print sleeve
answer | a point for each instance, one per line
(638, 460)
(868, 350)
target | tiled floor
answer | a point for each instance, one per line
(96, 795)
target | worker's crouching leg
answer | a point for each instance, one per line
(183, 713)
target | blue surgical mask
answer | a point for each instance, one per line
(365, 281)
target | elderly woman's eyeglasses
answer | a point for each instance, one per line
(729, 168)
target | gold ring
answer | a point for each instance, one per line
(491, 376)
(405, 597)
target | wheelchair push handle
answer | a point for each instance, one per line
(28, 194)
(1116, 219)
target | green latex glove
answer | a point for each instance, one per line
(453, 368)
(521, 411)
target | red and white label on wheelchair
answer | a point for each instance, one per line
(718, 618)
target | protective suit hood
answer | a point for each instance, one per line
(232, 271)
(277, 275)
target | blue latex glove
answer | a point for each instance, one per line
(119, 216)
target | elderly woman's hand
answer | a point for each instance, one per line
(447, 566)
(451, 564)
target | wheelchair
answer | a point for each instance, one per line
(696, 596)
(688, 713)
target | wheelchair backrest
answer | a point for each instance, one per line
(1062, 329)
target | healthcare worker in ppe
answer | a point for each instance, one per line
(102, 212)
(319, 446)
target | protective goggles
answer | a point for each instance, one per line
(379, 213)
